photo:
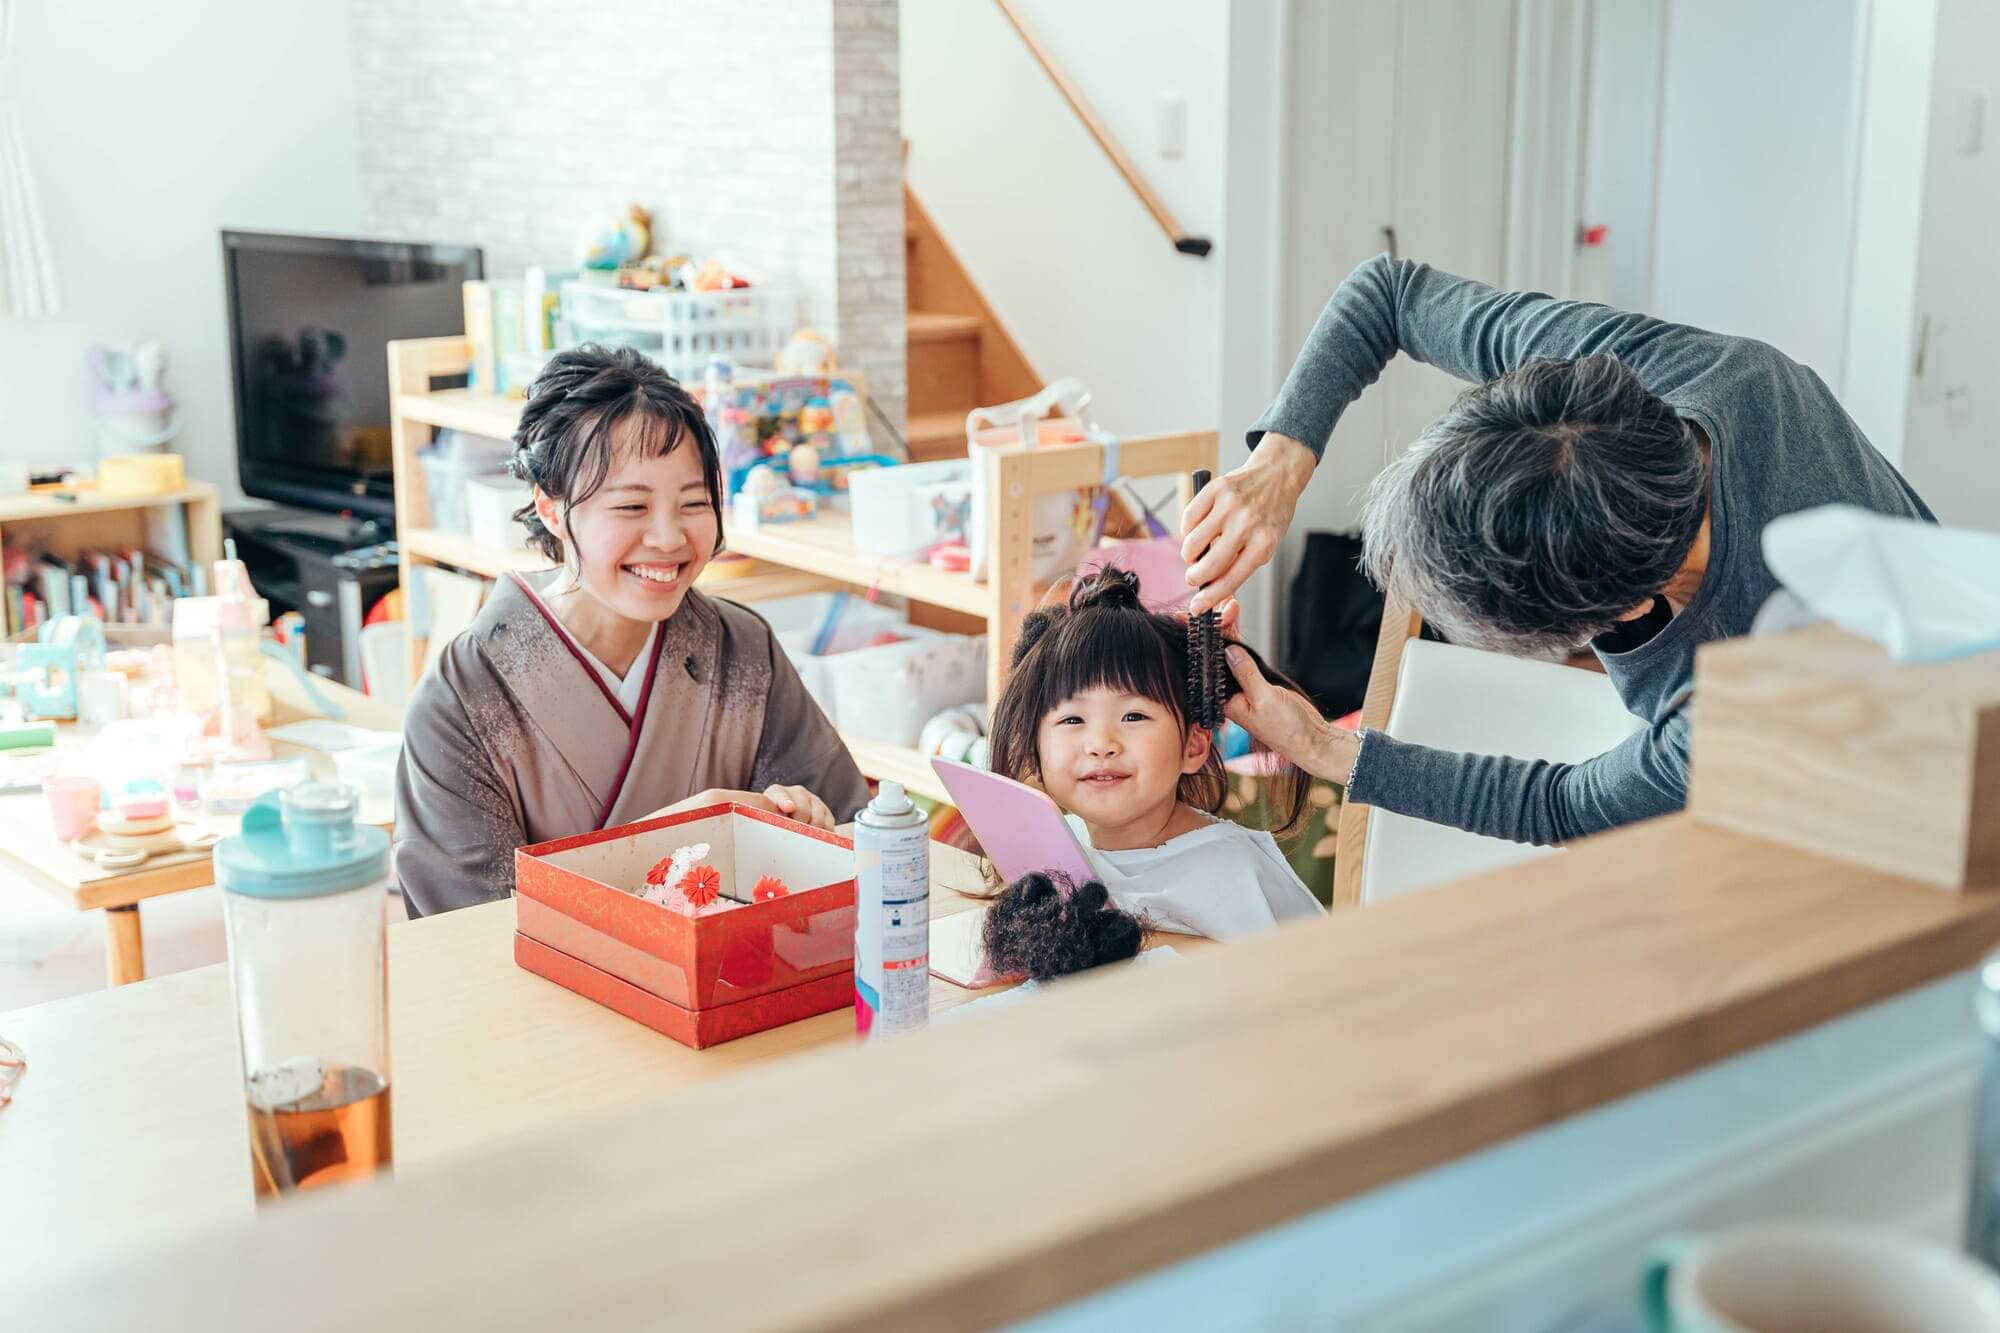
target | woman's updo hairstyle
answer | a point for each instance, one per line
(566, 440)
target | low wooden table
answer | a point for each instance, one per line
(128, 1127)
(29, 845)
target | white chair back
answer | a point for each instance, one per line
(1456, 698)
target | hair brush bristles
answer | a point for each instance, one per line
(1207, 671)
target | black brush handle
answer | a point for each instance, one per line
(1205, 665)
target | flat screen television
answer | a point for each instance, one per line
(310, 318)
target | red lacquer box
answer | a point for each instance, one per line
(702, 979)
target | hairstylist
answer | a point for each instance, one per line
(1605, 483)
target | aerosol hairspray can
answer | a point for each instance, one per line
(892, 933)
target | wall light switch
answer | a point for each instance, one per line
(1972, 124)
(1173, 126)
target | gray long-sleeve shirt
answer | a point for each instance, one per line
(1779, 443)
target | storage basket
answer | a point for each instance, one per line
(682, 330)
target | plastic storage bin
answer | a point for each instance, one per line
(490, 503)
(887, 693)
(448, 464)
(796, 622)
(682, 330)
(904, 511)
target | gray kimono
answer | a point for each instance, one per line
(513, 739)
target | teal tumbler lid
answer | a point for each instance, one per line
(302, 842)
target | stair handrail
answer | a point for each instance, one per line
(1198, 246)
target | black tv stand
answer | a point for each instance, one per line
(330, 568)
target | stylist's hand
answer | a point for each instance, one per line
(1240, 517)
(791, 802)
(1285, 721)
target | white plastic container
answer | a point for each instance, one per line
(305, 892)
(887, 693)
(454, 459)
(796, 622)
(683, 330)
(490, 503)
(901, 512)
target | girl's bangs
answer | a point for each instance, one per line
(1119, 649)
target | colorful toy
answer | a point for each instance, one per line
(624, 242)
(815, 418)
(765, 498)
(850, 425)
(46, 671)
(803, 463)
(808, 353)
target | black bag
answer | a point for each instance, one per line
(1336, 617)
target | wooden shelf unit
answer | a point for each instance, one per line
(800, 557)
(38, 520)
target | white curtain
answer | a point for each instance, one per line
(31, 273)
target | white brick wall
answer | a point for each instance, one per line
(766, 131)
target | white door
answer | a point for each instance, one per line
(1951, 445)
(1396, 132)
(1449, 200)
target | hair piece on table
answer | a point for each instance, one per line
(1041, 927)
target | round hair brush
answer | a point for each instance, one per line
(1208, 671)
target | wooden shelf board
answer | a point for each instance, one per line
(897, 763)
(825, 545)
(434, 546)
(35, 506)
(485, 414)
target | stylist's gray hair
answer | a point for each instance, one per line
(1539, 509)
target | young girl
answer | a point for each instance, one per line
(599, 693)
(1095, 713)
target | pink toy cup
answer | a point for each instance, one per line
(73, 803)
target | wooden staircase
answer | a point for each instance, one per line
(960, 355)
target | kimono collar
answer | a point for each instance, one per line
(564, 699)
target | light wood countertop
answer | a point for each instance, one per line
(128, 1127)
(1125, 1121)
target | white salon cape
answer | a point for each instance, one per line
(1221, 881)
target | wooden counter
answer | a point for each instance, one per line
(128, 1126)
(983, 1171)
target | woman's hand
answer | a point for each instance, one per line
(791, 802)
(1285, 721)
(800, 804)
(1240, 518)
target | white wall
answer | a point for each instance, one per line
(1756, 184)
(151, 128)
(1071, 262)
(763, 130)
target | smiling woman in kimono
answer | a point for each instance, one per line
(610, 688)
